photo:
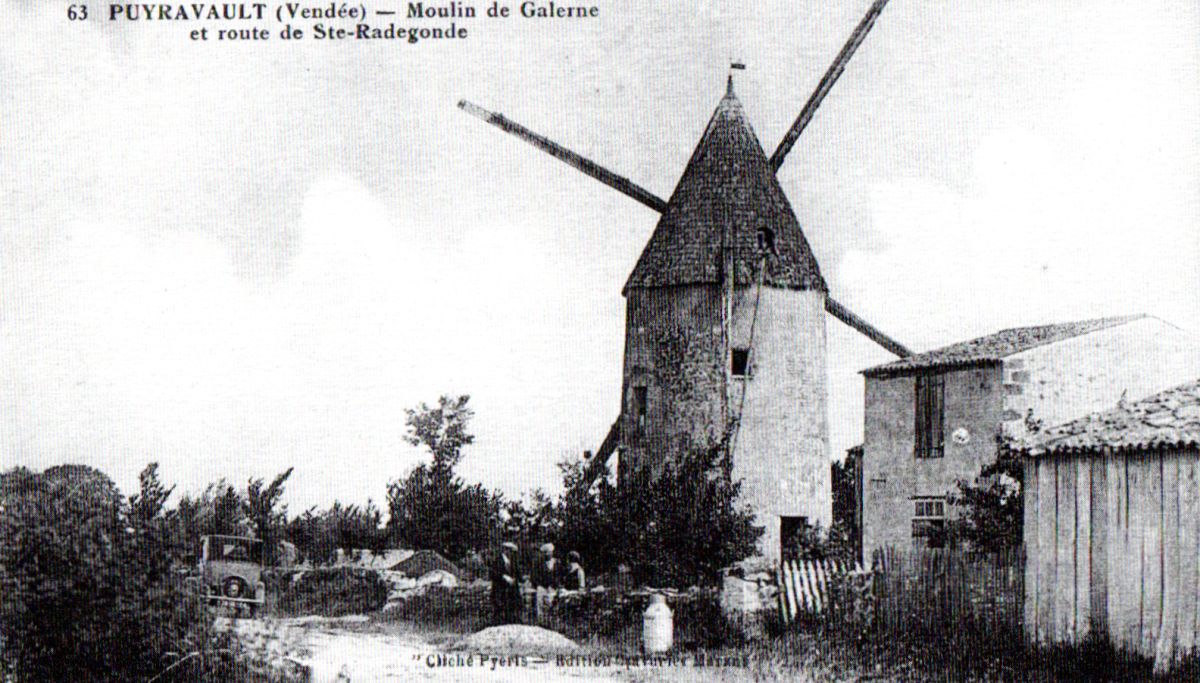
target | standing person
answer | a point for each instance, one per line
(545, 574)
(506, 585)
(575, 579)
(545, 579)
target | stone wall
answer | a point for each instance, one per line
(676, 347)
(781, 451)
(892, 476)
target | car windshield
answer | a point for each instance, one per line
(237, 549)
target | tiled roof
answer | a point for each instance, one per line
(728, 194)
(1168, 419)
(997, 346)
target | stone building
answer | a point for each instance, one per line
(725, 334)
(935, 418)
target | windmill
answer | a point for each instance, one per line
(725, 317)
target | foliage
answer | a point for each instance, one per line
(844, 477)
(990, 510)
(318, 535)
(441, 429)
(264, 512)
(683, 525)
(817, 543)
(90, 587)
(585, 518)
(219, 509)
(431, 508)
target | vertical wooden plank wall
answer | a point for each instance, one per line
(1098, 597)
(1047, 547)
(1189, 549)
(1152, 552)
(1029, 531)
(1131, 578)
(1064, 603)
(1114, 471)
(1082, 534)
(1164, 651)
(1112, 546)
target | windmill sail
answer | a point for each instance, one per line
(831, 76)
(617, 182)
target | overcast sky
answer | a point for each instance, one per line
(232, 259)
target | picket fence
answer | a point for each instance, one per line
(804, 586)
(920, 589)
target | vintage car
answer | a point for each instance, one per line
(231, 572)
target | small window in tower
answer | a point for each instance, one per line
(766, 241)
(641, 400)
(739, 362)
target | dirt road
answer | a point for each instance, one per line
(358, 650)
(352, 650)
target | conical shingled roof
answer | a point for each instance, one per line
(728, 194)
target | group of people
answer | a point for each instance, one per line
(545, 580)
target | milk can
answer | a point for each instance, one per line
(657, 626)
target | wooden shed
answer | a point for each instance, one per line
(1111, 534)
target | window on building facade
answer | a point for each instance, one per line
(641, 404)
(739, 362)
(930, 412)
(929, 521)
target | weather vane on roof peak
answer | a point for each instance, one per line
(738, 66)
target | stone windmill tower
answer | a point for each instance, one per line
(725, 319)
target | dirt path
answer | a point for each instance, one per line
(356, 650)
(349, 650)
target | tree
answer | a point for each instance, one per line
(991, 508)
(586, 518)
(431, 507)
(318, 535)
(845, 536)
(441, 429)
(264, 512)
(683, 525)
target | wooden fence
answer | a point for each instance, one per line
(934, 590)
(928, 590)
(805, 586)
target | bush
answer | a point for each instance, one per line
(991, 510)
(682, 526)
(91, 587)
(815, 543)
(329, 591)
